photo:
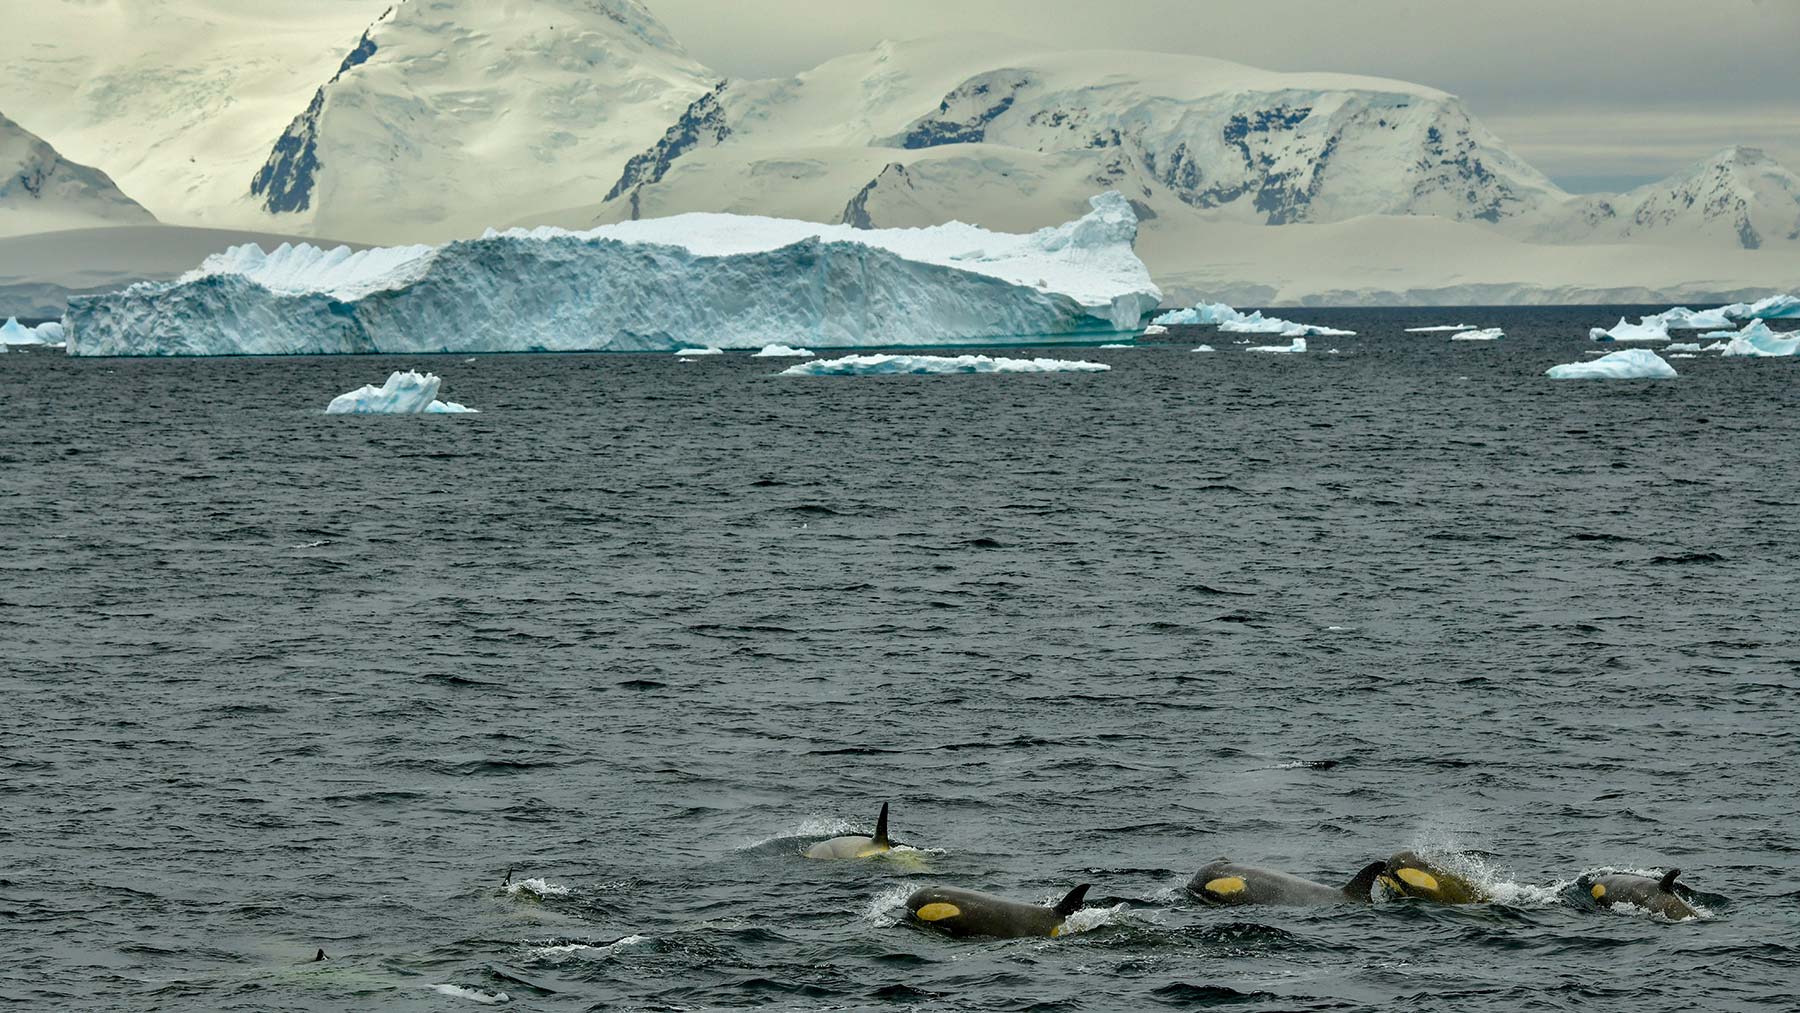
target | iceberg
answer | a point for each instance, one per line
(1684, 346)
(1630, 364)
(699, 351)
(1684, 319)
(1204, 348)
(1205, 313)
(1155, 330)
(1775, 307)
(743, 281)
(1490, 334)
(1758, 341)
(1718, 346)
(14, 333)
(783, 352)
(1441, 328)
(1299, 345)
(1649, 329)
(919, 365)
(408, 393)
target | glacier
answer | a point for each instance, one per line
(408, 393)
(1630, 364)
(1758, 341)
(744, 281)
(919, 365)
(1649, 329)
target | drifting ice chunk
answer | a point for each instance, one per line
(1205, 313)
(1204, 348)
(404, 394)
(1683, 319)
(1442, 328)
(1491, 334)
(1155, 330)
(742, 281)
(1775, 307)
(1650, 329)
(14, 333)
(1682, 347)
(876, 365)
(1758, 341)
(1631, 364)
(1299, 345)
(782, 352)
(1118, 346)
(699, 351)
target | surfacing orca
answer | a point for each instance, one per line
(854, 846)
(1656, 896)
(1228, 884)
(1411, 875)
(972, 913)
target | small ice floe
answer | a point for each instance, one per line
(1683, 346)
(472, 994)
(1256, 323)
(1118, 346)
(1299, 345)
(783, 352)
(1631, 364)
(1684, 355)
(1717, 346)
(1155, 330)
(1204, 348)
(1332, 351)
(699, 351)
(1489, 334)
(1683, 319)
(1441, 329)
(1758, 341)
(407, 393)
(1649, 329)
(920, 365)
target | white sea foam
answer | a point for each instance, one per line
(472, 995)
(540, 888)
(586, 951)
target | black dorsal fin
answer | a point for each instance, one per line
(1359, 886)
(319, 956)
(1072, 903)
(508, 880)
(1667, 883)
(881, 837)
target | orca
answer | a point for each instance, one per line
(1657, 896)
(856, 846)
(1411, 875)
(1228, 884)
(973, 913)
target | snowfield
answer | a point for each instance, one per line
(745, 282)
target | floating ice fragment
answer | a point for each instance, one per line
(875, 365)
(1631, 364)
(407, 393)
(782, 352)
(1155, 330)
(1650, 329)
(1204, 348)
(699, 351)
(1758, 341)
(14, 333)
(1682, 347)
(1437, 328)
(1490, 334)
(1118, 346)
(1205, 313)
(1299, 345)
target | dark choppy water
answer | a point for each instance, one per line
(279, 681)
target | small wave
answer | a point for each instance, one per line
(1090, 918)
(586, 951)
(538, 888)
(312, 545)
(471, 994)
(888, 908)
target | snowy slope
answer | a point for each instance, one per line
(730, 281)
(40, 191)
(1246, 144)
(447, 116)
(177, 100)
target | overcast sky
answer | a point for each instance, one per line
(1599, 94)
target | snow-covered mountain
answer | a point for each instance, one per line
(447, 116)
(41, 191)
(903, 133)
(1739, 197)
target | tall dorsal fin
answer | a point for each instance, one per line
(1072, 903)
(319, 956)
(1359, 886)
(1667, 883)
(881, 838)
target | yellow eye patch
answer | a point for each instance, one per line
(1599, 890)
(1225, 886)
(1419, 879)
(938, 911)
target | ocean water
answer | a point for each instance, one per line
(643, 630)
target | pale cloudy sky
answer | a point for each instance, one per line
(1599, 94)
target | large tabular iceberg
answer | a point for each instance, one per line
(1631, 364)
(744, 282)
(404, 394)
(919, 365)
(1758, 341)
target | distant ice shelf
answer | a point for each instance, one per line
(743, 281)
(1630, 364)
(920, 365)
(407, 393)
